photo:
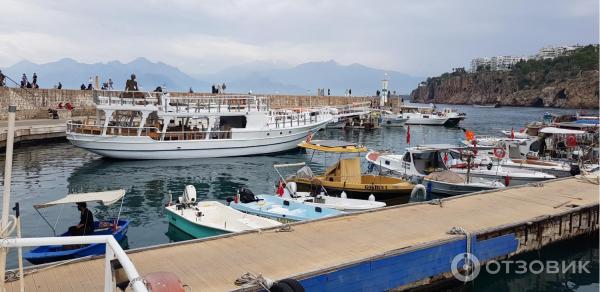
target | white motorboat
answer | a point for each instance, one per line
(426, 163)
(416, 118)
(451, 183)
(136, 126)
(410, 164)
(209, 218)
(389, 119)
(342, 203)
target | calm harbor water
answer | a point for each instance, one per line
(46, 172)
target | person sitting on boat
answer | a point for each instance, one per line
(86, 221)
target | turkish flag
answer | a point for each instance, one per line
(408, 135)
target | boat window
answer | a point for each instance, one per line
(229, 122)
(387, 162)
(406, 157)
(428, 162)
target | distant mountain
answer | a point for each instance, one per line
(277, 77)
(72, 74)
(258, 76)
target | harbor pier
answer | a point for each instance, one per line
(397, 247)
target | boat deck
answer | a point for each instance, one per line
(214, 264)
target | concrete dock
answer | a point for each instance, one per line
(396, 247)
(32, 130)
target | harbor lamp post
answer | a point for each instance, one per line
(4, 232)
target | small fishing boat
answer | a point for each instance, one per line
(117, 227)
(321, 198)
(210, 218)
(346, 176)
(492, 105)
(408, 164)
(389, 119)
(280, 209)
(450, 183)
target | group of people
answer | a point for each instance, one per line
(321, 91)
(26, 84)
(218, 88)
(348, 92)
(108, 85)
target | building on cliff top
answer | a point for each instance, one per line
(500, 63)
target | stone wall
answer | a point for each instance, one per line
(34, 103)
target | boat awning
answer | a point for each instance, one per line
(553, 130)
(333, 146)
(106, 198)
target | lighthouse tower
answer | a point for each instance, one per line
(383, 100)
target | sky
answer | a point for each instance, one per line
(417, 37)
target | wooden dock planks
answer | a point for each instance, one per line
(213, 265)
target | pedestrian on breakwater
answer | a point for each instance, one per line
(110, 84)
(328, 92)
(350, 92)
(223, 87)
(82, 87)
(23, 81)
(90, 82)
(59, 86)
(2, 82)
(34, 81)
(214, 89)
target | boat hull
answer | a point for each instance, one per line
(426, 121)
(399, 194)
(443, 188)
(143, 147)
(195, 230)
(48, 254)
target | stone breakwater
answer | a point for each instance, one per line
(34, 103)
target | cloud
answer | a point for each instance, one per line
(417, 37)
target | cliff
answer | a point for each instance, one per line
(567, 82)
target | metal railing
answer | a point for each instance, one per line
(95, 129)
(113, 250)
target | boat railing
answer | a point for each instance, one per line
(113, 252)
(296, 119)
(215, 104)
(95, 129)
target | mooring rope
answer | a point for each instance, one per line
(251, 279)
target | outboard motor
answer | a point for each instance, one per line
(292, 188)
(247, 196)
(575, 170)
(189, 195)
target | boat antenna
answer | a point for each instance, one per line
(120, 209)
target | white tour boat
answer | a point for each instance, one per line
(389, 119)
(140, 125)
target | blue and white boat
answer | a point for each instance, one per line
(117, 227)
(211, 218)
(283, 210)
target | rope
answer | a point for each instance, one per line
(285, 228)
(251, 279)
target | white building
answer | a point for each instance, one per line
(497, 63)
(553, 52)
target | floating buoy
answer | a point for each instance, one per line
(499, 153)
(372, 198)
(343, 195)
(417, 190)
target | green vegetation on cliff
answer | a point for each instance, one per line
(534, 73)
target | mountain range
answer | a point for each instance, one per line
(258, 76)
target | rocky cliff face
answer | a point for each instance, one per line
(503, 88)
(569, 81)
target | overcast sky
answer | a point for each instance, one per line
(419, 37)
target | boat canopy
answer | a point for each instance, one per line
(553, 130)
(333, 146)
(106, 198)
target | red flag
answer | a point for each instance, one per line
(512, 133)
(280, 191)
(445, 157)
(408, 135)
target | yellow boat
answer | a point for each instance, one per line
(346, 176)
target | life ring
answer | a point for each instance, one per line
(571, 141)
(499, 152)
